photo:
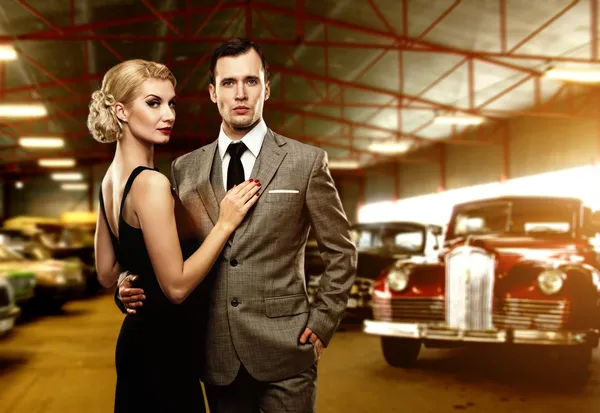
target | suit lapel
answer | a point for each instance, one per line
(266, 165)
(204, 187)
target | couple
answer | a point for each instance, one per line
(215, 286)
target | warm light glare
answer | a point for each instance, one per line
(580, 182)
(7, 52)
(26, 110)
(70, 176)
(74, 187)
(41, 142)
(343, 164)
(390, 147)
(462, 120)
(575, 75)
(19, 185)
(56, 163)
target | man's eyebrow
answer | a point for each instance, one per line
(228, 79)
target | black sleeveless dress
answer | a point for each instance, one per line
(158, 349)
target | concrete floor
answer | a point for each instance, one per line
(64, 363)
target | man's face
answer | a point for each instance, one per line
(240, 90)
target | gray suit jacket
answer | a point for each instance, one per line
(259, 305)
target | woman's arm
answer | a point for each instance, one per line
(107, 267)
(154, 206)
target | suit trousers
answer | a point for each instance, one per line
(297, 394)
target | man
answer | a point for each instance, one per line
(263, 339)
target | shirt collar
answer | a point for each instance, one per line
(253, 139)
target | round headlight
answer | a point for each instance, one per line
(551, 281)
(398, 278)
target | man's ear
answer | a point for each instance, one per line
(267, 90)
(120, 111)
(212, 91)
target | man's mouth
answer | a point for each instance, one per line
(241, 110)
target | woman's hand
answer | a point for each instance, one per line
(236, 204)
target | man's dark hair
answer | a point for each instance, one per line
(236, 47)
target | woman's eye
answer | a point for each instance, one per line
(153, 103)
(173, 104)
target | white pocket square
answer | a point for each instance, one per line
(283, 191)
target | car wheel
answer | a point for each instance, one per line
(400, 352)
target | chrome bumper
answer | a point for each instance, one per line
(435, 332)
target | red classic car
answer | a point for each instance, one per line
(519, 270)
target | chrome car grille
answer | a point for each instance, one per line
(530, 314)
(5, 300)
(421, 310)
(469, 289)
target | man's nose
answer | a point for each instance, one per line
(240, 93)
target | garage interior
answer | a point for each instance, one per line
(419, 104)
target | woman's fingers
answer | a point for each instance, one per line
(250, 202)
(250, 193)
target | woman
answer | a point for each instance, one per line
(136, 231)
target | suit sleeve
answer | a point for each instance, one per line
(332, 231)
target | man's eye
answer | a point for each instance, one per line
(252, 81)
(228, 83)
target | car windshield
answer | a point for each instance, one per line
(399, 240)
(516, 217)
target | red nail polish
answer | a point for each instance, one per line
(251, 180)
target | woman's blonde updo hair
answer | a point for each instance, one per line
(120, 84)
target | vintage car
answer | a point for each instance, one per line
(70, 246)
(514, 270)
(54, 282)
(9, 311)
(379, 245)
(21, 277)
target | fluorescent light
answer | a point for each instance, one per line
(390, 147)
(56, 163)
(7, 52)
(68, 176)
(458, 120)
(74, 187)
(25, 110)
(574, 75)
(19, 185)
(41, 142)
(349, 164)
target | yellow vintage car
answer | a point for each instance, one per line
(54, 281)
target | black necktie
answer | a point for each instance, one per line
(235, 172)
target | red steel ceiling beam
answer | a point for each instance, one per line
(503, 35)
(160, 16)
(300, 24)
(543, 26)
(39, 16)
(210, 15)
(439, 20)
(288, 53)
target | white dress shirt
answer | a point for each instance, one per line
(253, 140)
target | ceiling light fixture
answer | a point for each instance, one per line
(22, 110)
(74, 187)
(41, 142)
(7, 52)
(390, 147)
(574, 75)
(347, 164)
(68, 176)
(464, 120)
(57, 163)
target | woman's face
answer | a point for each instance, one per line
(151, 115)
